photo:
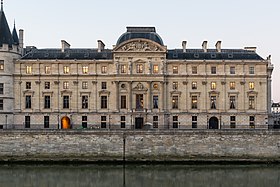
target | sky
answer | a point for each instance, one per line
(237, 23)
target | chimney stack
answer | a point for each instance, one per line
(21, 38)
(101, 46)
(64, 45)
(219, 46)
(204, 46)
(184, 45)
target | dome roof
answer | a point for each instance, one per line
(140, 32)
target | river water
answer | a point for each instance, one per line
(139, 175)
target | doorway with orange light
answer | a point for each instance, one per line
(65, 123)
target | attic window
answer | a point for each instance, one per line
(175, 55)
(230, 55)
(1, 65)
(86, 55)
(46, 54)
(213, 55)
(196, 55)
(67, 55)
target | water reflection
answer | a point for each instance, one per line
(139, 175)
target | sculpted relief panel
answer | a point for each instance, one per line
(140, 46)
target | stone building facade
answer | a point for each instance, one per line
(137, 84)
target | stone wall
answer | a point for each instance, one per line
(101, 145)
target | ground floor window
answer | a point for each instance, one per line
(194, 122)
(1, 104)
(252, 121)
(46, 121)
(155, 121)
(27, 122)
(122, 121)
(175, 122)
(103, 121)
(84, 121)
(232, 121)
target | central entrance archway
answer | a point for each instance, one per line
(213, 123)
(65, 123)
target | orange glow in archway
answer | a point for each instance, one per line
(65, 123)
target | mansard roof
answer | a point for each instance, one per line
(5, 33)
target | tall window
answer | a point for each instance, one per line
(122, 121)
(28, 101)
(103, 121)
(46, 121)
(194, 69)
(1, 88)
(252, 121)
(66, 69)
(123, 68)
(251, 102)
(65, 85)
(155, 69)
(251, 86)
(213, 85)
(84, 121)
(155, 101)
(139, 101)
(232, 102)
(213, 102)
(47, 70)
(175, 121)
(251, 70)
(103, 85)
(155, 121)
(103, 102)
(66, 101)
(47, 103)
(123, 102)
(194, 102)
(1, 104)
(175, 69)
(28, 85)
(139, 68)
(232, 70)
(175, 85)
(84, 85)
(194, 122)
(232, 121)
(47, 85)
(1, 65)
(27, 122)
(28, 69)
(85, 69)
(213, 70)
(175, 102)
(232, 85)
(194, 85)
(104, 69)
(84, 101)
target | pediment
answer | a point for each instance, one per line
(140, 87)
(140, 45)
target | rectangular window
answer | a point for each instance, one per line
(65, 85)
(194, 102)
(103, 121)
(122, 121)
(252, 121)
(213, 86)
(123, 68)
(251, 70)
(175, 69)
(232, 121)
(84, 85)
(104, 69)
(47, 70)
(232, 70)
(194, 85)
(123, 102)
(1, 104)
(139, 101)
(251, 86)
(66, 69)
(232, 85)
(213, 102)
(46, 122)
(213, 70)
(251, 102)
(28, 69)
(47, 103)
(155, 101)
(28, 85)
(103, 102)
(84, 121)
(175, 102)
(175, 85)
(1, 65)
(155, 69)
(103, 85)
(232, 102)
(194, 122)
(194, 69)
(47, 85)
(84, 101)
(155, 121)
(1, 88)
(85, 69)
(139, 68)
(27, 122)
(66, 101)
(175, 122)
(28, 101)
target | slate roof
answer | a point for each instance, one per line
(15, 36)
(5, 33)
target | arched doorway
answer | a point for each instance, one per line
(65, 123)
(213, 123)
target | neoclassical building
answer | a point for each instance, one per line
(137, 84)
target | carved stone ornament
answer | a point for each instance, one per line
(139, 87)
(140, 46)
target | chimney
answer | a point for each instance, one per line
(21, 38)
(219, 46)
(204, 46)
(184, 44)
(64, 45)
(101, 46)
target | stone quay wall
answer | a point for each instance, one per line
(150, 145)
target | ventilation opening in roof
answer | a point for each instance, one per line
(213, 55)
(196, 55)
(230, 55)
(175, 55)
